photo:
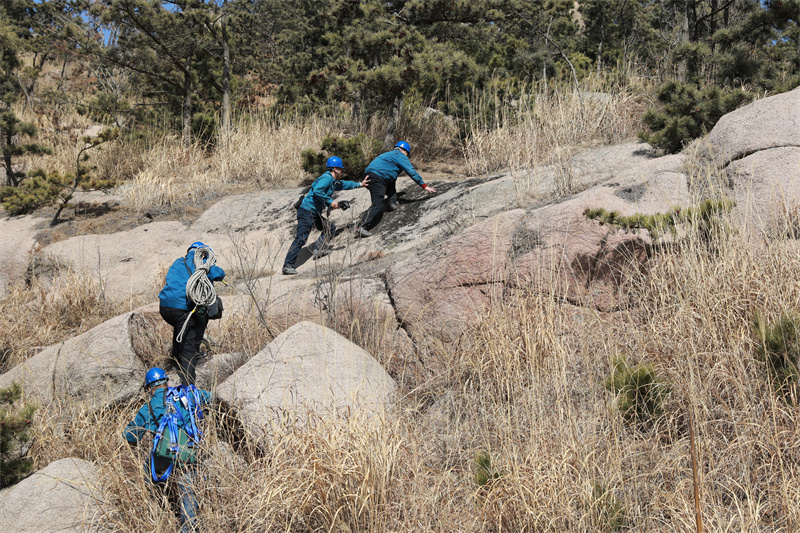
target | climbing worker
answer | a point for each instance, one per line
(172, 416)
(382, 173)
(190, 282)
(309, 213)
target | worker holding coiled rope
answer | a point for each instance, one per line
(184, 302)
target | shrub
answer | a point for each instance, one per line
(688, 111)
(640, 391)
(484, 469)
(356, 153)
(778, 347)
(15, 426)
(704, 218)
(608, 510)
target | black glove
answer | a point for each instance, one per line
(344, 205)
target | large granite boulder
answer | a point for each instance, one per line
(18, 239)
(579, 260)
(308, 372)
(63, 496)
(772, 122)
(766, 188)
(127, 262)
(361, 304)
(436, 290)
(97, 367)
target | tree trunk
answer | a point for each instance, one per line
(391, 125)
(355, 113)
(186, 110)
(5, 141)
(688, 34)
(691, 20)
(226, 74)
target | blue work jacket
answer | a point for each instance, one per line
(389, 165)
(174, 292)
(320, 195)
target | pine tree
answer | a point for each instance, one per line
(166, 48)
(732, 50)
(46, 188)
(15, 30)
(15, 426)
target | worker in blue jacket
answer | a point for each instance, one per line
(147, 420)
(309, 214)
(382, 173)
(175, 307)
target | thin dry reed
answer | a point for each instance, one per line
(526, 389)
(50, 311)
(537, 127)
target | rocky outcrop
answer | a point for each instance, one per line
(64, 496)
(128, 262)
(436, 290)
(554, 246)
(307, 372)
(766, 189)
(772, 122)
(15, 247)
(97, 367)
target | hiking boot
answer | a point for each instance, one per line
(319, 254)
(289, 270)
(361, 232)
(392, 206)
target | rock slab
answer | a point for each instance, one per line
(308, 372)
(98, 367)
(63, 496)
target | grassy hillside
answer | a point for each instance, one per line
(525, 430)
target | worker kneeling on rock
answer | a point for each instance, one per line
(309, 213)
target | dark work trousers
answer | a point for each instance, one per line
(379, 189)
(305, 221)
(185, 352)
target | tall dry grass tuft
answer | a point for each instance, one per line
(537, 126)
(48, 312)
(265, 151)
(258, 152)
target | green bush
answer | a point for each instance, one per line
(204, 127)
(640, 392)
(356, 153)
(40, 188)
(687, 111)
(15, 426)
(704, 218)
(778, 346)
(484, 469)
(608, 510)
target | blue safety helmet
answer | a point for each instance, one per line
(334, 162)
(197, 244)
(155, 376)
(404, 145)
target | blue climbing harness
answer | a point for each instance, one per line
(177, 436)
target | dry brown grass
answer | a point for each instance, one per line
(49, 311)
(526, 389)
(541, 127)
(258, 152)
